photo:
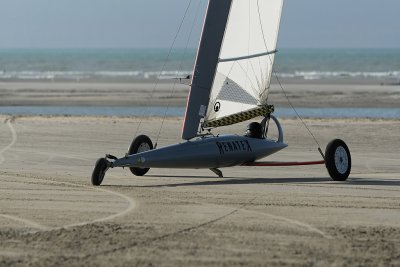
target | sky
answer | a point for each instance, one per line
(154, 23)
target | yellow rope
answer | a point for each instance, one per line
(239, 117)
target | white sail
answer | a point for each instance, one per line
(243, 73)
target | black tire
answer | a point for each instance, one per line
(338, 160)
(99, 171)
(140, 144)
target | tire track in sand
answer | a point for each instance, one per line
(131, 203)
(26, 222)
(244, 208)
(13, 140)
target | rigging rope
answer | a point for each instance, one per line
(145, 110)
(179, 69)
(283, 90)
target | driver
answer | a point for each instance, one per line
(254, 130)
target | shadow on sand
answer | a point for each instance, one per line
(245, 181)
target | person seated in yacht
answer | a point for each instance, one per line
(254, 130)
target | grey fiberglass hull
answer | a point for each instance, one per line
(206, 152)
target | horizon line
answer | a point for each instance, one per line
(149, 48)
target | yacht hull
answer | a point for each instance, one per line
(205, 152)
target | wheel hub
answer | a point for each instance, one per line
(341, 160)
(143, 147)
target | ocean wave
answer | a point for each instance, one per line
(318, 75)
(171, 74)
(83, 75)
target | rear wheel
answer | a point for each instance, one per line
(338, 160)
(140, 144)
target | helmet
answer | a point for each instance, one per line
(254, 130)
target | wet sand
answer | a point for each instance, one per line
(51, 215)
(301, 93)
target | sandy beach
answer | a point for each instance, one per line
(80, 83)
(297, 216)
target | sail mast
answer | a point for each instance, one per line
(206, 64)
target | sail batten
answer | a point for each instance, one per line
(246, 57)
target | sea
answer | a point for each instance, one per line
(132, 65)
(382, 65)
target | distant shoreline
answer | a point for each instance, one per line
(284, 81)
(310, 94)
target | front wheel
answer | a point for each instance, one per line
(140, 144)
(99, 171)
(338, 160)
